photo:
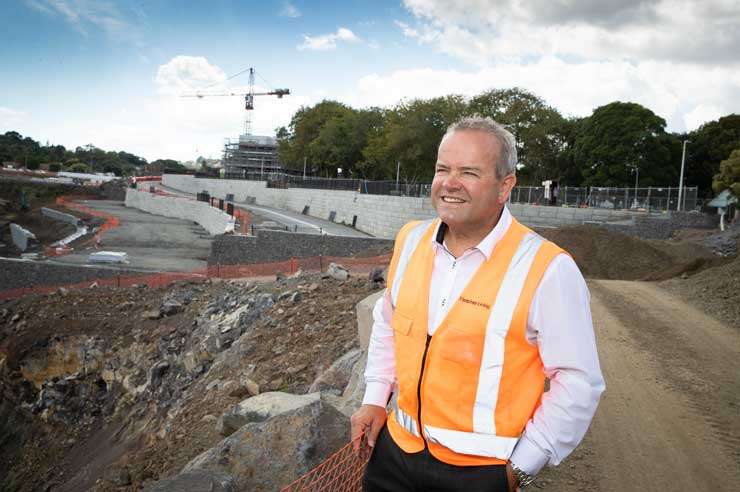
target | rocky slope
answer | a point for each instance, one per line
(115, 389)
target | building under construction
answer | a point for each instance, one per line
(250, 154)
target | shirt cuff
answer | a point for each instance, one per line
(528, 456)
(377, 393)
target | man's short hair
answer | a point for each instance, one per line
(507, 158)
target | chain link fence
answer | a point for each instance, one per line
(646, 198)
(650, 198)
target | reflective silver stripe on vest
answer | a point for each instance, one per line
(471, 442)
(409, 246)
(491, 367)
(405, 420)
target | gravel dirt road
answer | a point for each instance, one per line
(670, 417)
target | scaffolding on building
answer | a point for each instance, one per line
(250, 154)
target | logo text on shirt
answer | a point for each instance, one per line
(475, 303)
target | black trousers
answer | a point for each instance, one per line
(391, 469)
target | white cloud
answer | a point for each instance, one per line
(671, 90)
(11, 118)
(676, 57)
(188, 73)
(103, 15)
(290, 10)
(486, 31)
(702, 114)
(327, 42)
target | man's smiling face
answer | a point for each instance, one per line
(466, 193)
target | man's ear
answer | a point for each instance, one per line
(507, 184)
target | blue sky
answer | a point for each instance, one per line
(110, 73)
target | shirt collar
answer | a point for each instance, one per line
(488, 243)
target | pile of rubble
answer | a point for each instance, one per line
(193, 382)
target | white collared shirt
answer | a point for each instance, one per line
(559, 323)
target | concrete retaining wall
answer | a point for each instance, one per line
(269, 246)
(379, 215)
(21, 237)
(60, 216)
(211, 219)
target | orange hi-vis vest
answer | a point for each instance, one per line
(468, 391)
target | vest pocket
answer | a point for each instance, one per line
(401, 323)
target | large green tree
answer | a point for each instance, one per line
(26, 151)
(710, 143)
(622, 136)
(294, 142)
(341, 140)
(411, 136)
(542, 134)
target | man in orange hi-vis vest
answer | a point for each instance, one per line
(477, 312)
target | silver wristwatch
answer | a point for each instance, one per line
(523, 478)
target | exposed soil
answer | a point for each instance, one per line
(669, 417)
(715, 291)
(604, 254)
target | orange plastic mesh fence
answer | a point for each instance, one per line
(341, 472)
(163, 279)
(70, 202)
(308, 264)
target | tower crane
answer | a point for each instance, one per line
(248, 98)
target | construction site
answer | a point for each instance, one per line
(222, 346)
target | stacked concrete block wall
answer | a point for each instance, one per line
(211, 219)
(662, 226)
(694, 220)
(17, 274)
(60, 216)
(271, 246)
(379, 215)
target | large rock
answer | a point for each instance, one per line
(261, 408)
(195, 481)
(267, 455)
(337, 272)
(364, 310)
(335, 378)
(351, 399)
(354, 391)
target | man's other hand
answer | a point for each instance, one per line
(368, 420)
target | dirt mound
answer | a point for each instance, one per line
(605, 254)
(715, 290)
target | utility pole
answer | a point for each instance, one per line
(680, 180)
(636, 169)
(304, 167)
(398, 171)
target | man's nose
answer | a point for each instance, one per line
(451, 182)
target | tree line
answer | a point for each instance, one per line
(26, 151)
(610, 147)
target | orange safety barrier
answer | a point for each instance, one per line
(341, 472)
(307, 264)
(70, 202)
(244, 218)
(163, 279)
